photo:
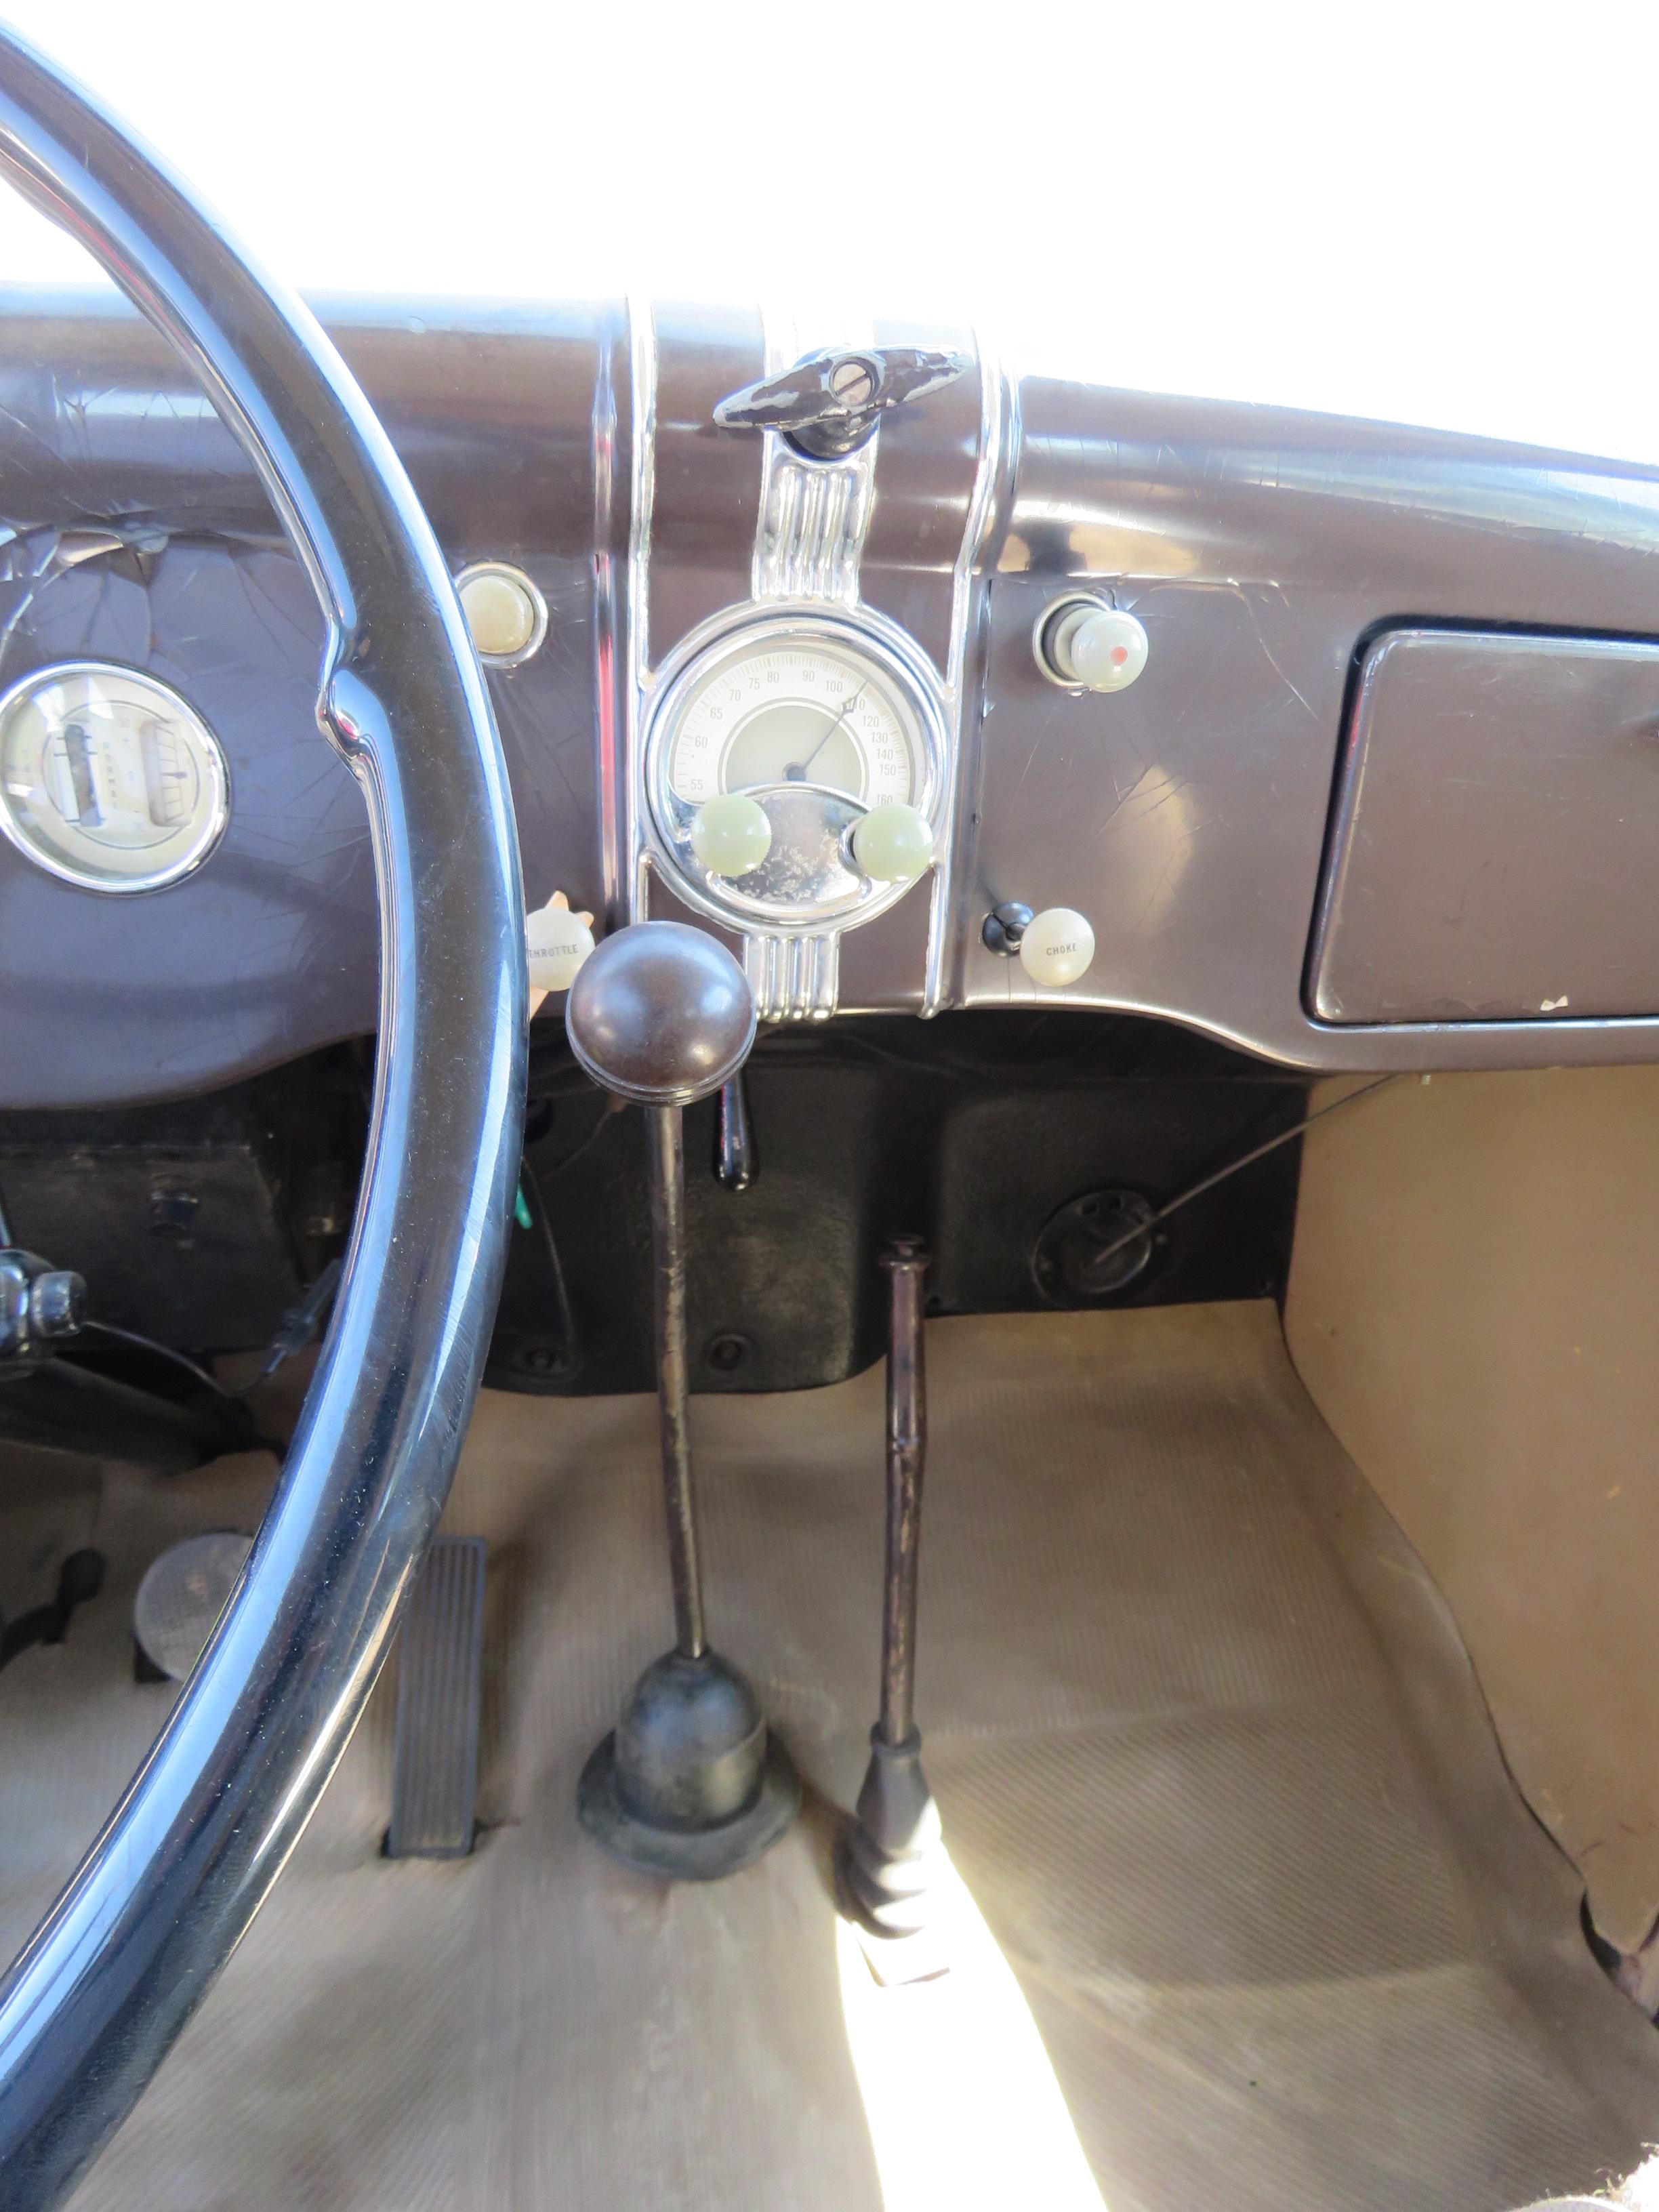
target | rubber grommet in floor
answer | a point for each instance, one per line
(693, 1854)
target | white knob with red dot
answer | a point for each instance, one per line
(1090, 647)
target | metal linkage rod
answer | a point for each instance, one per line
(665, 1136)
(906, 1266)
(889, 1858)
(690, 1783)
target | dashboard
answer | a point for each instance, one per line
(926, 683)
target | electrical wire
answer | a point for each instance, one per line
(204, 1381)
(1220, 1174)
(565, 1318)
(613, 1106)
(200, 1375)
(238, 1428)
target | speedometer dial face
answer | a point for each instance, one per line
(816, 719)
(108, 778)
(796, 710)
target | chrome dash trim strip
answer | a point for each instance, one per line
(814, 519)
(814, 515)
(810, 531)
(610, 683)
(642, 356)
(794, 979)
(998, 455)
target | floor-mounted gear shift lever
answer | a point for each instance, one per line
(888, 1860)
(689, 1784)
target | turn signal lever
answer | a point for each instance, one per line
(829, 404)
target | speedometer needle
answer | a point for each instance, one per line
(796, 771)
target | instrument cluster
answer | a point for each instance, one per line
(794, 768)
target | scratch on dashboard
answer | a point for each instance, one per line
(1030, 761)
(10, 414)
(1454, 919)
(1173, 786)
(1152, 778)
(34, 578)
(278, 622)
(578, 800)
(322, 851)
(325, 778)
(1248, 605)
(1174, 865)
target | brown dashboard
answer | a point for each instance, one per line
(1380, 796)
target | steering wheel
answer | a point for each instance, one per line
(94, 2003)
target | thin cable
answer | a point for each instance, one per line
(565, 1318)
(199, 1375)
(1246, 1159)
(613, 1106)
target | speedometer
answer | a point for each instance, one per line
(794, 768)
(796, 710)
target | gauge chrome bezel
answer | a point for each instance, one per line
(533, 591)
(218, 779)
(863, 635)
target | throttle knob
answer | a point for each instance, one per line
(893, 844)
(557, 941)
(1088, 646)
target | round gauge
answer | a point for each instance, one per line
(800, 709)
(816, 722)
(108, 778)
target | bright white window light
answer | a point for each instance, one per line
(1437, 215)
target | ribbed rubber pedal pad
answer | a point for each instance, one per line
(434, 1773)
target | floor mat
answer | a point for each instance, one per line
(1211, 1763)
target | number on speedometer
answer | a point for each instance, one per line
(796, 712)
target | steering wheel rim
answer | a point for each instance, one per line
(91, 2005)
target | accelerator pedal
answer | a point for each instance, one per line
(435, 1774)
